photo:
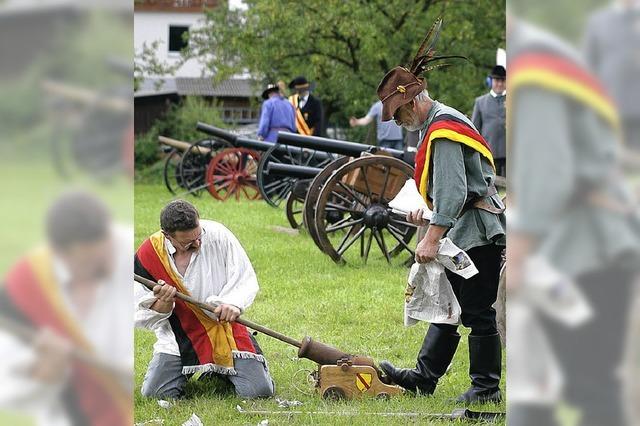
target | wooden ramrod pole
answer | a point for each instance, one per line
(211, 307)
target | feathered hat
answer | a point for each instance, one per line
(400, 85)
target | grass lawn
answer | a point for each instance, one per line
(355, 308)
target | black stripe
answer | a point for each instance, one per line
(187, 352)
(452, 118)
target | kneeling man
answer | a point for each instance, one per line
(203, 259)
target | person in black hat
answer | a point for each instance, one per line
(490, 117)
(309, 113)
(277, 114)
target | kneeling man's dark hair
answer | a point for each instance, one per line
(178, 215)
(77, 217)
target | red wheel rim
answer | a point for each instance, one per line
(232, 174)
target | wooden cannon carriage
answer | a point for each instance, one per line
(346, 202)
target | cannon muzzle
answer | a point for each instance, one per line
(216, 132)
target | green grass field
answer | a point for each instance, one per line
(355, 308)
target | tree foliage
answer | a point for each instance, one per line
(346, 46)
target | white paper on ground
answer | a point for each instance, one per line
(408, 200)
(194, 420)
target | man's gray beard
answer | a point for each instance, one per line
(413, 127)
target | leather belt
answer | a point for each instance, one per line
(480, 203)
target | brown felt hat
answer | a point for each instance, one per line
(398, 88)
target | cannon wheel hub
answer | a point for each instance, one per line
(376, 216)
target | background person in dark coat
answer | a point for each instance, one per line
(489, 117)
(309, 113)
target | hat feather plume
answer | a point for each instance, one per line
(426, 52)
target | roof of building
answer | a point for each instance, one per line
(232, 87)
(200, 86)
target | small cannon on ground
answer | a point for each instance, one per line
(339, 375)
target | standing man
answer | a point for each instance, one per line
(612, 50)
(490, 118)
(203, 259)
(308, 108)
(277, 114)
(388, 132)
(455, 175)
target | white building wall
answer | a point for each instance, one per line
(152, 26)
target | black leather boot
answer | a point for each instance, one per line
(485, 366)
(434, 357)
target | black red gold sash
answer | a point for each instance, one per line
(205, 344)
(451, 128)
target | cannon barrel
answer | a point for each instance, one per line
(217, 132)
(252, 144)
(335, 146)
(291, 170)
(181, 145)
(242, 142)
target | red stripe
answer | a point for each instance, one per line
(193, 328)
(455, 126)
(560, 66)
(242, 338)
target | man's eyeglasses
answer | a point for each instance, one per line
(396, 115)
(189, 244)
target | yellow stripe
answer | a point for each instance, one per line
(453, 136)
(301, 123)
(220, 334)
(573, 88)
(42, 264)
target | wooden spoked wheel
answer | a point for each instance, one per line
(231, 173)
(171, 172)
(194, 163)
(275, 189)
(360, 192)
(313, 192)
(295, 203)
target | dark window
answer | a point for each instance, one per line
(177, 40)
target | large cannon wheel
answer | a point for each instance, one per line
(309, 209)
(195, 160)
(295, 203)
(360, 192)
(232, 173)
(171, 173)
(275, 189)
